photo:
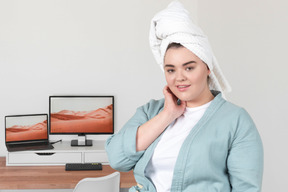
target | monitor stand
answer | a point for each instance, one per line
(81, 141)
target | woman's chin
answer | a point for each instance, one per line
(183, 99)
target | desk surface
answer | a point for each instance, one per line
(52, 177)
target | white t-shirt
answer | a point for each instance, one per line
(161, 166)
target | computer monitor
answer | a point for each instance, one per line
(81, 115)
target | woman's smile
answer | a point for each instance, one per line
(183, 88)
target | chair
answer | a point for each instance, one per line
(109, 183)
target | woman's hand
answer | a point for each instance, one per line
(149, 131)
(171, 108)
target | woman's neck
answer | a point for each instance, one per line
(204, 98)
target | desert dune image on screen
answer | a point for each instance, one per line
(81, 115)
(26, 128)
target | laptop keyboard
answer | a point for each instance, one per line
(30, 146)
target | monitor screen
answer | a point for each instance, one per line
(81, 114)
(20, 128)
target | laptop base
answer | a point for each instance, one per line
(29, 147)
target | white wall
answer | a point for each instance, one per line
(77, 47)
(250, 40)
(50, 47)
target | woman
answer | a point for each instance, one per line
(193, 139)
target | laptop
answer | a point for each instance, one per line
(27, 132)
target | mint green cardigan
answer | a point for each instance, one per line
(222, 153)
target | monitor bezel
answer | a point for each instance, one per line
(82, 96)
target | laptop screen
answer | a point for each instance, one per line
(26, 128)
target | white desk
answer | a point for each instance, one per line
(61, 154)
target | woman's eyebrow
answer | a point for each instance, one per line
(169, 65)
(184, 64)
(189, 62)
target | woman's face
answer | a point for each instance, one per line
(186, 76)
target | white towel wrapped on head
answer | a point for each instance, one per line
(173, 25)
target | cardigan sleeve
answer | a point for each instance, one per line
(121, 147)
(245, 158)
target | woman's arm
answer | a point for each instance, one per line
(121, 147)
(125, 148)
(245, 159)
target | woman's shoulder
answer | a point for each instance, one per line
(153, 104)
(234, 117)
(230, 110)
(150, 109)
(224, 105)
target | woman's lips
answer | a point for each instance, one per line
(182, 87)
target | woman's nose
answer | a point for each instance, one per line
(180, 76)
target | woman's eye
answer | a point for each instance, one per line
(170, 70)
(189, 68)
